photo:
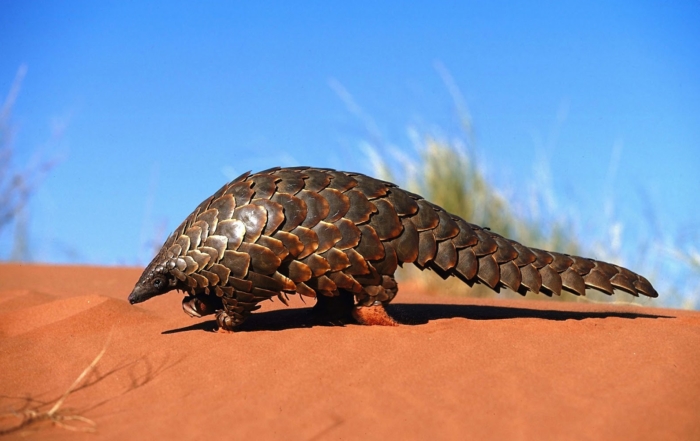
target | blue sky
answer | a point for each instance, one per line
(159, 103)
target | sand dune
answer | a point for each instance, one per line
(457, 369)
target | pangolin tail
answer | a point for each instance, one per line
(447, 244)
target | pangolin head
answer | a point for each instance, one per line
(155, 280)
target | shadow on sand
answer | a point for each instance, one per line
(413, 314)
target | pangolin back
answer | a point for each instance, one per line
(321, 232)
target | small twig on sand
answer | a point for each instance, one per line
(30, 416)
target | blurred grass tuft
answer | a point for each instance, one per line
(448, 174)
(17, 184)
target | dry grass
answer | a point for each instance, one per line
(56, 413)
(17, 184)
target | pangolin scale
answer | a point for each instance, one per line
(336, 236)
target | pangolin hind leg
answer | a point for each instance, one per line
(374, 314)
(366, 307)
(341, 309)
(370, 303)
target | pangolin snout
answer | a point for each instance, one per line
(139, 295)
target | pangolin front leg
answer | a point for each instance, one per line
(339, 237)
(201, 305)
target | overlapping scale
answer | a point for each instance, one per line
(294, 210)
(370, 246)
(291, 181)
(241, 192)
(328, 235)
(447, 228)
(370, 187)
(317, 208)
(339, 181)
(274, 214)
(510, 275)
(489, 272)
(338, 204)
(406, 244)
(360, 207)
(317, 180)
(254, 218)
(403, 204)
(264, 186)
(446, 256)
(386, 222)
(234, 232)
(224, 207)
(426, 218)
(551, 282)
(467, 264)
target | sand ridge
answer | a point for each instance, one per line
(460, 369)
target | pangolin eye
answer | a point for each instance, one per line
(158, 283)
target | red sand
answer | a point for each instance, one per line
(463, 368)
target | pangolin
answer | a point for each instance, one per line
(339, 237)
